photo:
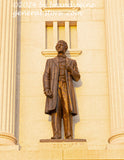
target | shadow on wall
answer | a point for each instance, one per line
(17, 103)
(76, 119)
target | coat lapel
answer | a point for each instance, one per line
(68, 61)
(55, 60)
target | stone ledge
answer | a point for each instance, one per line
(9, 148)
(62, 8)
(55, 144)
(56, 154)
(52, 53)
(115, 147)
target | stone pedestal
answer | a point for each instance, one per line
(62, 140)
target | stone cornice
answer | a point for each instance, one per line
(52, 53)
(61, 8)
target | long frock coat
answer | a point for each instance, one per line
(50, 81)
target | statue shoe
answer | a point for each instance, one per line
(55, 137)
(69, 137)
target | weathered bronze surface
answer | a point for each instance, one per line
(58, 88)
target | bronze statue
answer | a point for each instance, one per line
(59, 90)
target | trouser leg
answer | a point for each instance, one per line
(56, 119)
(67, 117)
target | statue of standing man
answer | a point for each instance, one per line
(58, 88)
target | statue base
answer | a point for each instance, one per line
(62, 140)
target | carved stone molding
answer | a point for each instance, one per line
(62, 8)
(53, 53)
(7, 139)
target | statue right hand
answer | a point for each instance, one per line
(48, 93)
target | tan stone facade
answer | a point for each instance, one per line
(94, 31)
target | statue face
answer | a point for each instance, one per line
(61, 47)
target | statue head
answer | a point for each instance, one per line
(61, 47)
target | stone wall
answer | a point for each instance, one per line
(91, 90)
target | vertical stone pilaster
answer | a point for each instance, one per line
(55, 2)
(43, 3)
(67, 34)
(67, 2)
(122, 8)
(115, 57)
(8, 73)
(43, 24)
(55, 34)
